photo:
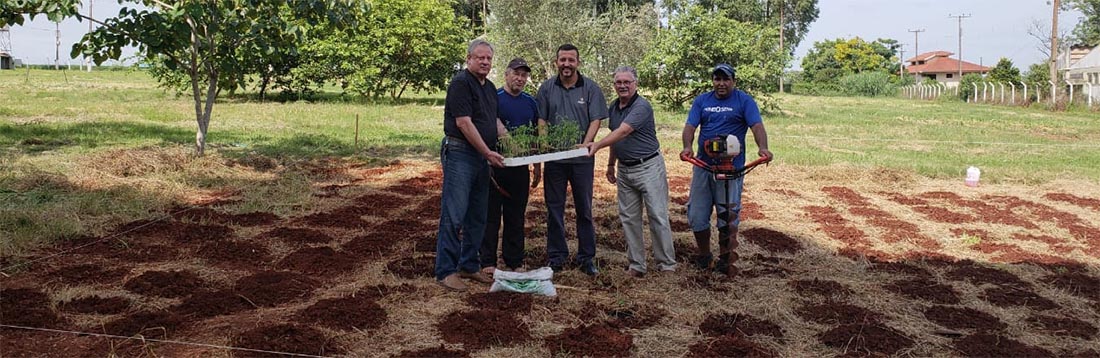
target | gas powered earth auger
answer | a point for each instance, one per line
(725, 148)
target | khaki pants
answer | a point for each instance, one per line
(646, 184)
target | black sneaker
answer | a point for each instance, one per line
(725, 268)
(702, 262)
(590, 269)
(556, 268)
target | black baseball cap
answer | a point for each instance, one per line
(724, 69)
(518, 62)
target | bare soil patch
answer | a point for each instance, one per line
(837, 227)
(207, 303)
(866, 339)
(925, 289)
(1090, 203)
(976, 274)
(89, 273)
(717, 325)
(235, 254)
(343, 219)
(773, 241)
(381, 203)
(1077, 283)
(289, 338)
(944, 215)
(1016, 297)
(413, 267)
(318, 261)
(990, 345)
(729, 346)
(846, 196)
(297, 235)
(165, 283)
(597, 340)
(377, 292)
(151, 324)
(345, 313)
(964, 318)
(370, 245)
(635, 316)
(483, 328)
(177, 232)
(503, 301)
(902, 268)
(96, 304)
(1063, 326)
(258, 218)
(272, 288)
(435, 352)
(28, 307)
(824, 288)
(831, 313)
(751, 211)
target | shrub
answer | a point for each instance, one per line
(870, 84)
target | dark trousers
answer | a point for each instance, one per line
(516, 181)
(557, 177)
(462, 208)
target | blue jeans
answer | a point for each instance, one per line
(708, 195)
(463, 208)
(557, 176)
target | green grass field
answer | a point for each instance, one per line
(79, 150)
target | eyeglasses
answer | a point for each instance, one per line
(623, 83)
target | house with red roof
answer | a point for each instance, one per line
(939, 66)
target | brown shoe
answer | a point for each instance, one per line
(451, 282)
(635, 274)
(489, 270)
(476, 276)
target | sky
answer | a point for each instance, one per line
(997, 28)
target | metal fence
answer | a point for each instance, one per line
(1012, 93)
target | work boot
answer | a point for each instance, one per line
(476, 276)
(451, 282)
(702, 257)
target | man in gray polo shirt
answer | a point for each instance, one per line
(570, 97)
(641, 177)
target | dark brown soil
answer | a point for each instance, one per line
(825, 288)
(179, 232)
(902, 268)
(96, 304)
(129, 250)
(370, 245)
(165, 283)
(28, 307)
(343, 219)
(234, 254)
(89, 273)
(1075, 282)
(773, 241)
(155, 324)
(322, 261)
(831, 313)
(717, 325)
(483, 328)
(424, 243)
(1063, 326)
(679, 199)
(406, 189)
(679, 183)
(346, 313)
(383, 204)
(866, 340)
(973, 273)
(705, 280)
(403, 227)
(905, 200)
(989, 345)
(205, 304)
(1014, 297)
(635, 317)
(1093, 204)
(377, 292)
(729, 346)
(943, 215)
(751, 211)
(504, 301)
(925, 289)
(837, 227)
(271, 288)
(963, 318)
(297, 235)
(598, 340)
(679, 226)
(413, 267)
(437, 352)
(846, 196)
(289, 338)
(199, 214)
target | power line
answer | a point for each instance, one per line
(916, 50)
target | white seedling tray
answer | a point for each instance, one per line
(517, 161)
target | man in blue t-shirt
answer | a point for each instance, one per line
(723, 111)
(514, 109)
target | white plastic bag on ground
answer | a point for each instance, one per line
(535, 281)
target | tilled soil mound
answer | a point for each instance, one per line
(635, 317)
(504, 301)
(271, 288)
(925, 289)
(1013, 297)
(823, 288)
(972, 272)
(164, 283)
(483, 328)
(773, 241)
(285, 338)
(89, 273)
(155, 324)
(235, 254)
(96, 304)
(436, 352)
(899, 268)
(253, 219)
(866, 340)
(597, 340)
(413, 267)
(342, 219)
(1077, 283)
(28, 307)
(837, 313)
(371, 245)
(347, 313)
(729, 346)
(738, 324)
(294, 235)
(377, 292)
(989, 345)
(1063, 326)
(319, 261)
(963, 318)
(205, 304)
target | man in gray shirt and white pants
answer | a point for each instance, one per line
(641, 176)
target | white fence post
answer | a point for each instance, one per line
(1002, 92)
(1025, 91)
(1070, 92)
(985, 91)
(1013, 85)
(975, 84)
(1053, 92)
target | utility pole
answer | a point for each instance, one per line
(1054, 42)
(901, 63)
(57, 46)
(88, 60)
(782, 4)
(960, 17)
(916, 50)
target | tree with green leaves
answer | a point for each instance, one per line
(12, 11)
(966, 86)
(1038, 77)
(829, 60)
(1004, 71)
(797, 15)
(678, 66)
(396, 47)
(1087, 31)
